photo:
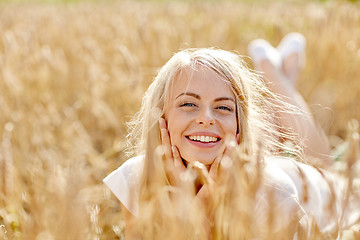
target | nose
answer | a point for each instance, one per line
(206, 117)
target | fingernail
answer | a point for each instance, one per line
(174, 150)
(163, 131)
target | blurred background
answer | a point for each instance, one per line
(72, 73)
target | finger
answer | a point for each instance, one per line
(202, 172)
(162, 123)
(229, 149)
(173, 162)
(203, 194)
(177, 158)
(215, 165)
(224, 158)
(165, 139)
(228, 156)
(175, 168)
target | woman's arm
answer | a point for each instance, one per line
(130, 221)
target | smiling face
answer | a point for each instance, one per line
(200, 114)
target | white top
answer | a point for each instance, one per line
(287, 177)
(125, 181)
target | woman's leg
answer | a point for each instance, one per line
(281, 76)
(292, 52)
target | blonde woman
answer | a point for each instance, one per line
(203, 104)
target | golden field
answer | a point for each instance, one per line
(72, 75)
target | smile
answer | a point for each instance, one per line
(203, 139)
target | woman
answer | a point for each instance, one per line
(207, 111)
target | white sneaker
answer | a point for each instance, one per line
(260, 50)
(293, 43)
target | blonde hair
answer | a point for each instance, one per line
(256, 108)
(256, 104)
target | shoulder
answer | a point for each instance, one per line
(124, 182)
(130, 170)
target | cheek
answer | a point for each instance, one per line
(173, 125)
(231, 128)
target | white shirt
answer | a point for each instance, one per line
(124, 182)
(297, 185)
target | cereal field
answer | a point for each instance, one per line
(72, 75)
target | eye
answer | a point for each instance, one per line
(187, 104)
(226, 108)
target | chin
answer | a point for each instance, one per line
(205, 161)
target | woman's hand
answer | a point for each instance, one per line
(208, 178)
(174, 165)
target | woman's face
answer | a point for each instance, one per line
(201, 114)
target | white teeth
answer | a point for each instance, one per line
(203, 138)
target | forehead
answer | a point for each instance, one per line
(202, 81)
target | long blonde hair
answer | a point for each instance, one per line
(256, 104)
(256, 107)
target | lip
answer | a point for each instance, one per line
(210, 134)
(203, 144)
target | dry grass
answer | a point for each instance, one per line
(71, 75)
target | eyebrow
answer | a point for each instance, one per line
(224, 99)
(198, 97)
(188, 94)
